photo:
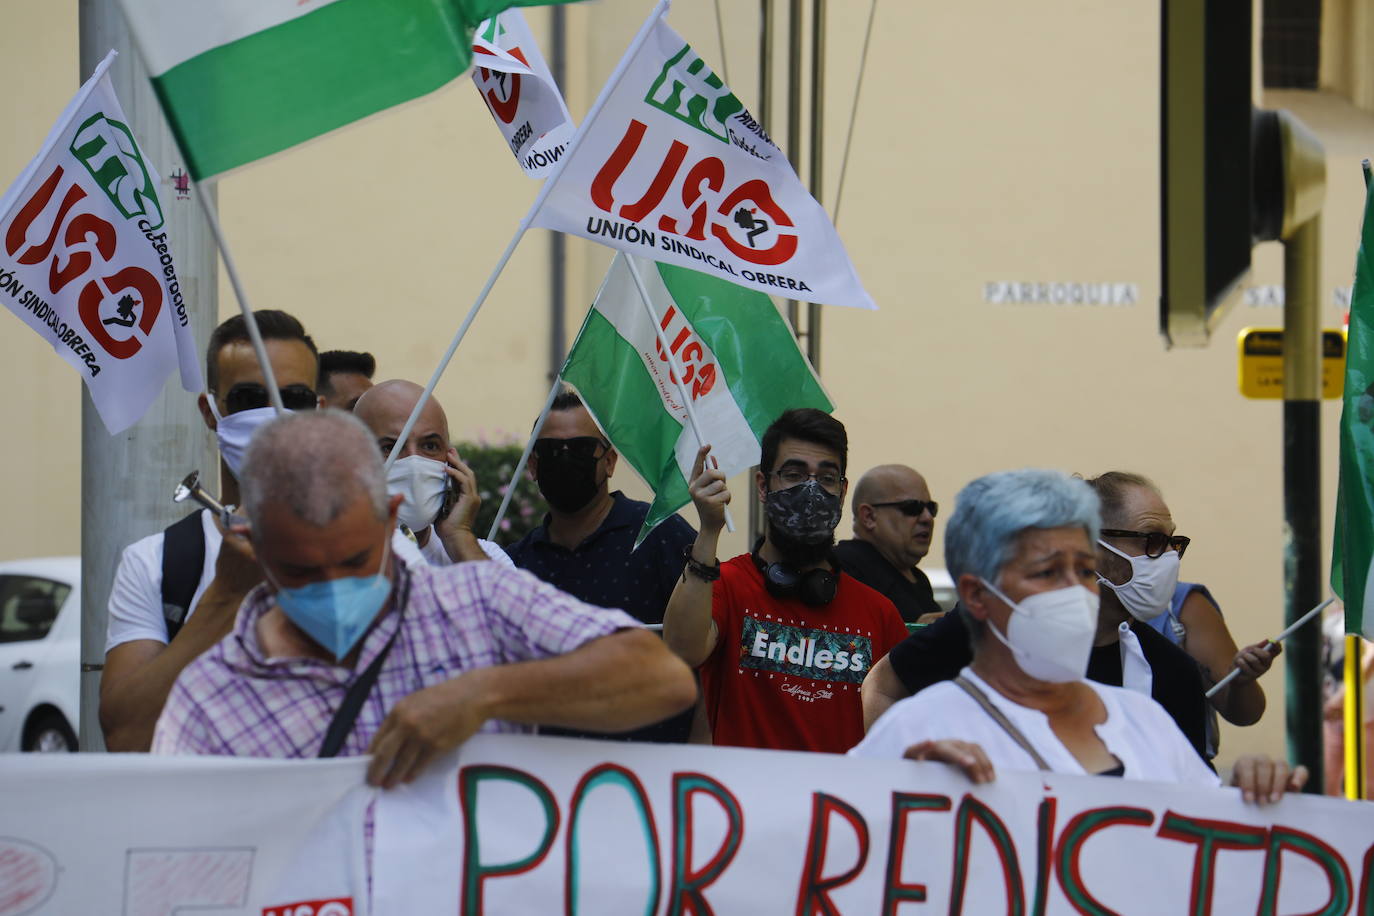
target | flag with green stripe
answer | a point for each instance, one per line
(243, 79)
(1353, 544)
(740, 367)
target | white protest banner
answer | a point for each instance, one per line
(86, 263)
(155, 836)
(516, 824)
(520, 92)
(674, 169)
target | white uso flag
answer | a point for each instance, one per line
(85, 260)
(519, 90)
(674, 169)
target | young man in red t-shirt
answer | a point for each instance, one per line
(781, 636)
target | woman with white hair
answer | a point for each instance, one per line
(1021, 548)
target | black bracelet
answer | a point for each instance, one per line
(702, 571)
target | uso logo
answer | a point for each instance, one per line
(341, 906)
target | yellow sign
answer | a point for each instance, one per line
(1260, 352)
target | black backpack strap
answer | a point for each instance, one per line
(341, 725)
(183, 561)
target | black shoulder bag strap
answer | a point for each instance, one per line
(183, 562)
(341, 725)
(1000, 718)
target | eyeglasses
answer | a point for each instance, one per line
(251, 395)
(912, 507)
(1156, 542)
(793, 476)
(584, 447)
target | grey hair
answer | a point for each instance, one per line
(992, 511)
(316, 463)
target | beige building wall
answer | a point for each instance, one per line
(997, 147)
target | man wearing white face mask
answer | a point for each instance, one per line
(1138, 560)
(1020, 546)
(176, 591)
(439, 492)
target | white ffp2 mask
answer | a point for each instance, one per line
(235, 431)
(1050, 634)
(1150, 590)
(422, 483)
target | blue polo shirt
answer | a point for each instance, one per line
(606, 571)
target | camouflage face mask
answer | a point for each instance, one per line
(805, 513)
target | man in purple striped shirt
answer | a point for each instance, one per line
(466, 648)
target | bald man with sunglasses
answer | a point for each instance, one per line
(894, 519)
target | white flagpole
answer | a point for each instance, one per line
(644, 31)
(675, 368)
(524, 458)
(1216, 688)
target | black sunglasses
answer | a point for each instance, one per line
(251, 395)
(586, 447)
(912, 507)
(1156, 542)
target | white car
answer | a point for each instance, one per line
(40, 654)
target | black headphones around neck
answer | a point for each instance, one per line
(815, 587)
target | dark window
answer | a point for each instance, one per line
(28, 607)
(1291, 43)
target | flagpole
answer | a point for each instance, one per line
(1235, 672)
(674, 367)
(254, 335)
(524, 457)
(641, 36)
(1354, 718)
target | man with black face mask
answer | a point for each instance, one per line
(781, 636)
(586, 544)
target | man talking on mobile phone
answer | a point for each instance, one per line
(439, 492)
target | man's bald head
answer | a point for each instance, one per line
(386, 406)
(902, 539)
(887, 482)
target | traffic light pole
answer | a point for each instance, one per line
(1302, 559)
(1304, 187)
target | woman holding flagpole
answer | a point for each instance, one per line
(1020, 547)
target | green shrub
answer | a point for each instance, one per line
(493, 463)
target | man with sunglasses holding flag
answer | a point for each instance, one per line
(176, 592)
(894, 519)
(586, 545)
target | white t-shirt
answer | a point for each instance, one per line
(135, 609)
(435, 555)
(1137, 731)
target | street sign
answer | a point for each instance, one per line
(1260, 363)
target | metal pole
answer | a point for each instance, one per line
(1355, 750)
(558, 242)
(813, 310)
(1302, 491)
(126, 479)
(794, 117)
(765, 110)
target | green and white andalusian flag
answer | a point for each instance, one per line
(243, 79)
(1353, 545)
(740, 365)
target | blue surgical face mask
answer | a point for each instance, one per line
(337, 612)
